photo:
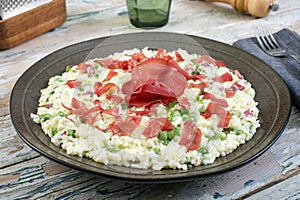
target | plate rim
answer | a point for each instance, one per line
(139, 177)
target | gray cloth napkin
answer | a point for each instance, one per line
(286, 67)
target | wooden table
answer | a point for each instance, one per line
(26, 174)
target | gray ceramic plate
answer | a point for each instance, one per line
(272, 95)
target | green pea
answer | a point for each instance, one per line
(44, 117)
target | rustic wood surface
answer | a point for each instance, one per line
(24, 174)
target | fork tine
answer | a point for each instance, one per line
(268, 35)
(272, 37)
(261, 40)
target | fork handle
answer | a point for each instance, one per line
(295, 58)
(256, 8)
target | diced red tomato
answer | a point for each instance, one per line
(74, 84)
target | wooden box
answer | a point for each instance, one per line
(27, 25)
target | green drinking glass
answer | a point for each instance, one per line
(148, 13)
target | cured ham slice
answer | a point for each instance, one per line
(191, 136)
(153, 81)
(223, 78)
(125, 127)
(74, 84)
(83, 67)
(217, 106)
(201, 85)
(100, 89)
(230, 92)
(151, 93)
(184, 103)
(207, 60)
(156, 125)
(110, 74)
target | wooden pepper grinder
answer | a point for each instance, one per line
(256, 8)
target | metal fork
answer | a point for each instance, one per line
(269, 44)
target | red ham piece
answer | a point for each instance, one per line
(138, 57)
(114, 111)
(223, 78)
(90, 114)
(74, 83)
(184, 103)
(225, 117)
(249, 113)
(110, 74)
(104, 62)
(178, 57)
(90, 71)
(156, 125)
(48, 106)
(83, 67)
(231, 90)
(100, 89)
(165, 62)
(212, 108)
(116, 99)
(201, 85)
(79, 108)
(207, 60)
(212, 97)
(125, 127)
(145, 112)
(150, 94)
(153, 82)
(217, 106)
(191, 136)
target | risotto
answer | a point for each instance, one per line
(146, 108)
